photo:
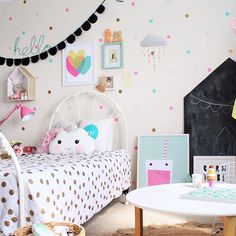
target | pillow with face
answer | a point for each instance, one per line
(75, 141)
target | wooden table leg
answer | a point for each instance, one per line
(229, 225)
(138, 221)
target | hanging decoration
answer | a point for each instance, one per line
(153, 45)
(215, 107)
(60, 46)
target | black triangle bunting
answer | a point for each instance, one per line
(60, 46)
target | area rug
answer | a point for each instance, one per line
(186, 229)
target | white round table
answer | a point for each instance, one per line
(166, 198)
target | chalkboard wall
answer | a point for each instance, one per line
(207, 114)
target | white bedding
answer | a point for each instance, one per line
(62, 187)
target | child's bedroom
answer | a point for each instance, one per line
(117, 118)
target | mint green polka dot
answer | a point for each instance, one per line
(226, 13)
(23, 32)
(50, 60)
(154, 91)
(151, 21)
(188, 52)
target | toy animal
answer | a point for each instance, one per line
(107, 35)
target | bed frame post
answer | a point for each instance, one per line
(19, 176)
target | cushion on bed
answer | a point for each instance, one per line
(101, 131)
(76, 141)
(47, 139)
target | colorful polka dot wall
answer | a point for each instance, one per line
(163, 57)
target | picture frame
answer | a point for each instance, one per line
(78, 64)
(111, 83)
(112, 55)
(162, 159)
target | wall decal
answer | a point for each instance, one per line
(36, 46)
(153, 45)
(53, 50)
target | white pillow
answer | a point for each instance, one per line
(75, 141)
(101, 131)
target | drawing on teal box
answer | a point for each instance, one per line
(162, 159)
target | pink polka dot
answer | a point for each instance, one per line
(135, 147)
(100, 40)
(171, 108)
(133, 4)
(135, 72)
(168, 36)
(10, 18)
(101, 107)
(116, 119)
(36, 46)
(34, 109)
(209, 69)
(67, 9)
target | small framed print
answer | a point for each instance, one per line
(111, 83)
(112, 56)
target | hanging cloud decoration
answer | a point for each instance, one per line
(153, 40)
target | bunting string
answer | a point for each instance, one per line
(215, 107)
(86, 26)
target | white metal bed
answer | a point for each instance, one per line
(74, 107)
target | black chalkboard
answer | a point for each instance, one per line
(207, 114)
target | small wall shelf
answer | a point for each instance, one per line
(21, 85)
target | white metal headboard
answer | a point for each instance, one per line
(88, 105)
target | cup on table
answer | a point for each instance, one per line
(197, 180)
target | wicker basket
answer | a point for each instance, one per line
(75, 229)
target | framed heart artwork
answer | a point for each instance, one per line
(78, 64)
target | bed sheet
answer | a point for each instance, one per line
(62, 187)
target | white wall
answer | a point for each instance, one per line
(150, 99)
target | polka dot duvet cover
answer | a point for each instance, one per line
(61, 187)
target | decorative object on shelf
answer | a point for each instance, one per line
(26, 113)
(117, 36)
(106, 83)
(233, 25)
(211, 176)
(78, 64)
(234, 110)
(112, 56)
(153, 45)
(162, 159)
(53, 50)
(21, 85)
(107, 36)
(17, 147)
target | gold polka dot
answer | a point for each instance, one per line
(3, 184)
(10, 212)
(120, 91)
(30, 181)
(4, 200)
(230, 50)
(14, 219)
(22, 128)
(11, 192)
(53, 215)
(28, 219)
(6, 223)
(50, 28)
(43, 211)
(31, 212)
(30, 197)
(187, 15)
(37, 194)
(41, 181)
(47, 182)
(153, 130)
(48, 199)
(117, 19)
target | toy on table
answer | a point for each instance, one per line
(211, 176)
